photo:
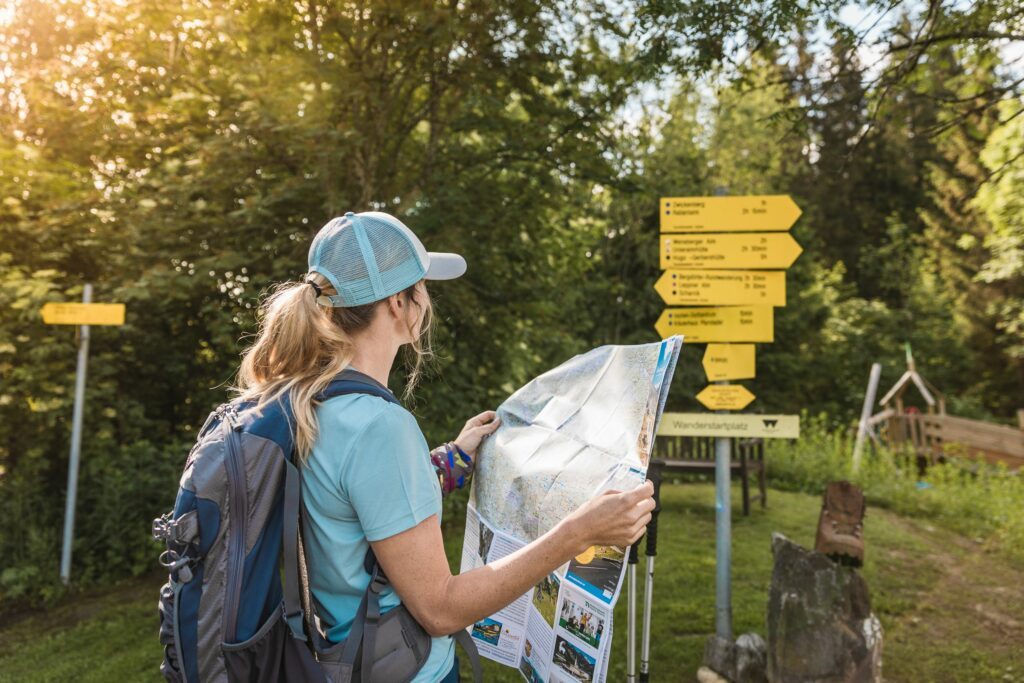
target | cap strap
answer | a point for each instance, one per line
(368, 258)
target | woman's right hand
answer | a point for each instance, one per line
(614, 518)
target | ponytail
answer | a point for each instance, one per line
(301, 346)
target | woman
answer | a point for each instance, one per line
(368, 478)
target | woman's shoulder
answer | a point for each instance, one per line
(358, 414)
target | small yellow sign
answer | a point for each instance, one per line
(729, 361)
(725, 397)
(722, 324)
(722, 287)
(771, 250)
(764, 213)
(83, 314)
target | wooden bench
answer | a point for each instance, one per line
(697, 455)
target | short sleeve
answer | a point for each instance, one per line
(388, 476)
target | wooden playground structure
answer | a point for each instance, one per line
(933, 435)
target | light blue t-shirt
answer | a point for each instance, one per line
(367, 478)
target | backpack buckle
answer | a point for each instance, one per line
(294, 621)
(173, 562)
(160, 526)
(377, 585)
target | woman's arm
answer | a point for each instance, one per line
(415, 563)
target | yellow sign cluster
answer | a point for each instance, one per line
(726, 255)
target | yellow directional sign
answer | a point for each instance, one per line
(722, 287)
(763, 213)
(743, 425)
(750, 250)
(722, 324)
(725, 397)
(83, 314)
(729, 361)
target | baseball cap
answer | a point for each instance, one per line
(371, 255)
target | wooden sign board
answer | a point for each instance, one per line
(83, 314)
(722, 324)
(728, 214)
(722, 287)
(771, 250)
(725, 397)
(729, 361)
(743, 426)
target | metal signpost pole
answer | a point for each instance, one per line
(723, 537)
(76, 442)
(723, 524)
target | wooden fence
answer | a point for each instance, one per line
(932, 436)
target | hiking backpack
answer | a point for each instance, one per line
(225, 614)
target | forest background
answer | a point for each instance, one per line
(181, 155)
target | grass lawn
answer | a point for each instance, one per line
(951, 612)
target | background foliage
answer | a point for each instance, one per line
(180, 156)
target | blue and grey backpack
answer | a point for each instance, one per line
(225, 614)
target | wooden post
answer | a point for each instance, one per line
(865, 413)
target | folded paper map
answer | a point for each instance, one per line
(584, 427)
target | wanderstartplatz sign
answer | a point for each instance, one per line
(741, 425)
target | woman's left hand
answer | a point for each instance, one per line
(475, 430)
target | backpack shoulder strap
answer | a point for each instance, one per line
(351, 381)
(347, 382)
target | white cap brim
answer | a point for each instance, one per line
(444, 266)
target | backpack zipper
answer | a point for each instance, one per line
(236, 539)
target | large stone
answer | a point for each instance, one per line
(720, 656)
(820, 626)
(751, 659)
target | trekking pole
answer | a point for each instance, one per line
(631, 615)
(654, 474)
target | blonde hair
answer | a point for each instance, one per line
(302, 345)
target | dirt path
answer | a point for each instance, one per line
(22, 625)
(962, 597)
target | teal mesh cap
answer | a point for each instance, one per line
(371, 255)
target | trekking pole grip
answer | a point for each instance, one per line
(654, 474)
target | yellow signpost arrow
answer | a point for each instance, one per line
(729, 361)
(722, 287)
(83, 314)
(722, 324)
(761, 213)
(725, 397)
(750, 250)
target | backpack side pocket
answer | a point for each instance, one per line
(170, 667)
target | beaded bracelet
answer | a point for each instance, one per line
(454, 458)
